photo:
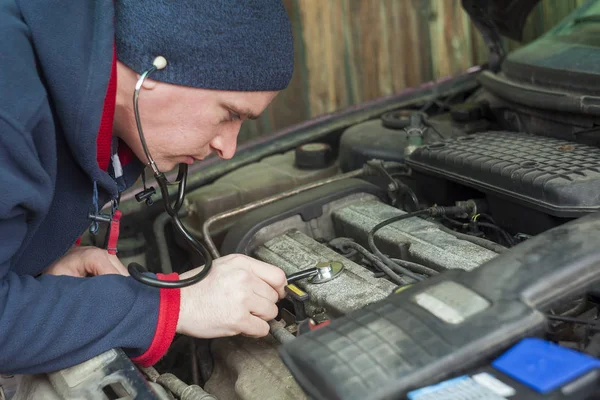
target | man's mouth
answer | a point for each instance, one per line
(192, 159)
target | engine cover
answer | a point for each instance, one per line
(414, 239)
(557, 177)
(353, 289)
(293, 235)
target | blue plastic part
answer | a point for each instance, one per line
(544, 366)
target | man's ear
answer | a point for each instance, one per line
(148, 84)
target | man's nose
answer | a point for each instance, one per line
(225, 144)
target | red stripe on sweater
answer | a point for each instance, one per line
(104, 138)
(125, 154)
(168, 316)
(105, 132)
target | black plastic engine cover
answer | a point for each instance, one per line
(557, 177)
(448, 324)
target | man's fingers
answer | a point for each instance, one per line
(103, 263)
(263, 308)
(274, 276)
(121, 269)
(105, 268)
(256, 327)
(262, 289)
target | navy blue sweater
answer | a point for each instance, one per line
(55, 65)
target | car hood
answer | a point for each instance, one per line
(497, 18)
(508, 16)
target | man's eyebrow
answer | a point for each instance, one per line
(244, 112)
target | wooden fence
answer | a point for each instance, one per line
(350, 51)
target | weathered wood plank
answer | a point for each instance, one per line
(479, 50)
(451, 45)
(410, 43)
(351, 51)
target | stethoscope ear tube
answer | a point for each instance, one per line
(137, 271)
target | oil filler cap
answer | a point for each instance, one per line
(314, 156)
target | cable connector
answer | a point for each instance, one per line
(438, 211)
(478, 206)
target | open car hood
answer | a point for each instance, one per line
(497, 18)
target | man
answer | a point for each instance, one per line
(69, 145)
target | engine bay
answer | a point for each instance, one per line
(497, 187)
(435, 233)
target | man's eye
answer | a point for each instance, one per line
(234, 117)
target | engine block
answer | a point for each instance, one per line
(294, 234)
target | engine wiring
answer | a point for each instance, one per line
(417, 268)
(474, 226)
(397, 189)
(432, 211)
(389, 271)
(345, 244)
(491, 224)
(501, 231)
(486, 244)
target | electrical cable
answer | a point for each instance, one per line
(433, 212)
(502, 232)
(415, 267)
(486, 244)
(346, 243)
(380, 255)
(454, 222)
(406, 190)
(398, 184)
(488, 217)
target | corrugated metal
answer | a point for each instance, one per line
(350, 51)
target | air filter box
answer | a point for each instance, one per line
(556, 177)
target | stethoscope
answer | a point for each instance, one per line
(136, 270)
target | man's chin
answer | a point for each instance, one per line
(165, 167)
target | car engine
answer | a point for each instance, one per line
(414, 214)
(432, 236)
(487, 185)
(537, 182)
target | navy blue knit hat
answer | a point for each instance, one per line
(241, 45)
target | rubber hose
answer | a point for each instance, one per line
(486, 244)
(182, 389)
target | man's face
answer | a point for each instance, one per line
(182, 124)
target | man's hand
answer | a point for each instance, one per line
(237, 297)
(85, 261)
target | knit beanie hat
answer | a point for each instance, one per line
(240, 45)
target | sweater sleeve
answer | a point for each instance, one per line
(53, 322)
